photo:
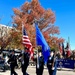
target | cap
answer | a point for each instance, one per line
(25, 48)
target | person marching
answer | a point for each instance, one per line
(13, 63)
(39, 64)
(50, 63)
(55, 63)
(24, 56)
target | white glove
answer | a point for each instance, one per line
(37, 65)
(49, 58)
(22, 51)
(53, 68)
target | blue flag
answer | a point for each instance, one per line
(40, 40)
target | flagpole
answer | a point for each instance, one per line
(69, 42)
(22, 28)
(37, 59)
(36, 21)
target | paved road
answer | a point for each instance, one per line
(31, 71)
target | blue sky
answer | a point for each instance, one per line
(64, 11)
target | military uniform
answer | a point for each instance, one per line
(24, 62)
(40, 65)
(50, 63)
(12, 61)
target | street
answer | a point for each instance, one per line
(31, 71)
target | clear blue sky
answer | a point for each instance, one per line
(64, 11)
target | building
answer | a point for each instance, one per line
(4, 30)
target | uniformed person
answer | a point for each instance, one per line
(25, 55)
(50, 63)
(39, 64)
(12, 61)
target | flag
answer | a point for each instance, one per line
(60, 48)
(26, 42)
(40, 41)
(68, 50)
(63, 52)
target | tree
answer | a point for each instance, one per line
(30, 11)
(16, 41)
(5, 36)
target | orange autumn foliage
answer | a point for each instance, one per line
(30, 11)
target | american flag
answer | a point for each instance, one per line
(26, 42)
